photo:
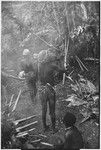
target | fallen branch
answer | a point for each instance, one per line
(43, 135)
(16, 101)
(24, 119)
(11, 100)
(47, 144)
(71, 72)
(68, 77)
(92, 59)
(85, 119)
(45, 41)
(25, 132)
(79, 64)
(82, 63)
(79, 88)
(19, 128)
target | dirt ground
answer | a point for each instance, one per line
(25, 108)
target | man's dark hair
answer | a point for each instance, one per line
(69, 119)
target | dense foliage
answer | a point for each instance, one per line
(70, 29)
(43, 25)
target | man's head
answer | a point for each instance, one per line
(26, 52)
(35, 56)
(69, 119)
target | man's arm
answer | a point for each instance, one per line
(68, 140)
(3, 74)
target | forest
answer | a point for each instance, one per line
(70, 32)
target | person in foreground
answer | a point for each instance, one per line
(73, 138)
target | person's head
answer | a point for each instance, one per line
(26, 53)
(69, 119)
(35, 56)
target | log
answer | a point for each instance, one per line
(19, 128)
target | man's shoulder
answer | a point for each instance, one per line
(71, 131)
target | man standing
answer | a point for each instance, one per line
(48, 72)
(31, 72)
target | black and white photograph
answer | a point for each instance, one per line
(50, 75)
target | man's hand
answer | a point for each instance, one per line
(21, 75)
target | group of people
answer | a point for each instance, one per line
(45, 74)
